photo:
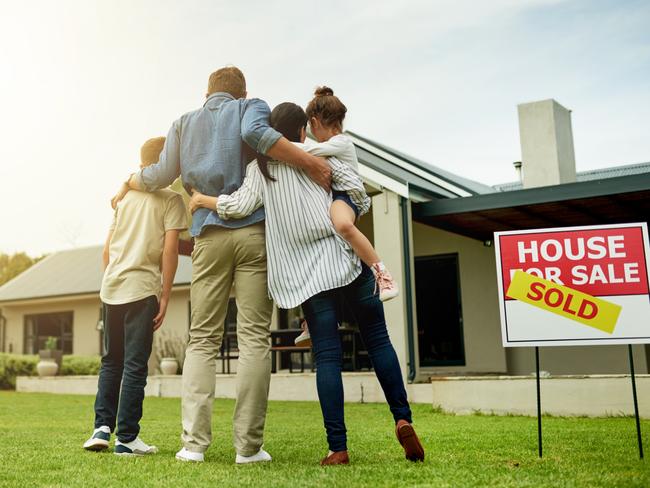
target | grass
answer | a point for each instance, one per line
(41, 437)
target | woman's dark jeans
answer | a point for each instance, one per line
(322, 313)
(128, 338)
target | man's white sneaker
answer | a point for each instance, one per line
(190, 456)
(261, 457)
(134, 448)
(99, 440)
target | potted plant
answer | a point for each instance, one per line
(50, 358)
(169, 351)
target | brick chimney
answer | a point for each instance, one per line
(546, 144)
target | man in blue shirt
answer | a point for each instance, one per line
(210, 148)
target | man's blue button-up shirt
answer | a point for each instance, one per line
(210, 148)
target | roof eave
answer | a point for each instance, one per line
(532, 196)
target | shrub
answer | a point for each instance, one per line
(80, 365)
(12, 365)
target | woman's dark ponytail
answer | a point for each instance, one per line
(288, 119)
(263, 164)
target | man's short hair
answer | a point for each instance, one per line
(230, 80)
(150, 151)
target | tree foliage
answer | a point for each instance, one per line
(11, 265)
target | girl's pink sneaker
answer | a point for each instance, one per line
(385, 283)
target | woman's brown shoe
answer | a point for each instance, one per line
(340, 457)
(409, 440)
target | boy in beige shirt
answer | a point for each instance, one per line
(140, 261)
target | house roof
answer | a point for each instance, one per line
(621, 199)
(420, 180)
(594, 174)
(53, 276)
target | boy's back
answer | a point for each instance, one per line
(138, 233)
(140, 261)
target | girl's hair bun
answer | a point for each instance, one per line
(327, 108)
(324, 91)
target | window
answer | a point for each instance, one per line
(440, 320)
(39, 327)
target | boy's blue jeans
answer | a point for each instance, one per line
(322, 315)
(128, 338)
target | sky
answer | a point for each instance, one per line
(85, 83)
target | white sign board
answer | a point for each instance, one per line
(574, 285)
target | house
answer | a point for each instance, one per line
(59, 297)
(434, 231)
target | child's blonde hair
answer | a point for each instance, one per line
(327, 108)
(150, 151)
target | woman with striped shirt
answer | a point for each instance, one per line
(309, 264)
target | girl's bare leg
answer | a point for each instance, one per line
(343, 218)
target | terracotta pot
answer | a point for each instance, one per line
(169, 366)
(47, 367)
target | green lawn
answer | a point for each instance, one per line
(41, 437)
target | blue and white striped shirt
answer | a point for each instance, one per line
(305, 254)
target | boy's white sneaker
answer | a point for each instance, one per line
(134, 448)
(190, 456)
(261, 457)
(99, 440)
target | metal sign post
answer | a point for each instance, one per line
(539, 405)
(636, 404)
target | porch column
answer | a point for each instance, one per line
(389, 228)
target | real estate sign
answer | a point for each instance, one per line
(574, 285)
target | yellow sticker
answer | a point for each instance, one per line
(564, 301)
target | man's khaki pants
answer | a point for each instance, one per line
(220, 258)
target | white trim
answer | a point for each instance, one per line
(379, 180)
(411, 168)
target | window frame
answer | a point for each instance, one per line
(31, 336)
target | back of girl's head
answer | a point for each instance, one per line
(289, 119)
(327, 108)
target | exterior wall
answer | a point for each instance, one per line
(86, 313)
(358, 387)
(366, 225)
(177, 319)
(387, 230)
(570, 360)
(600, 395)
(479, 300)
